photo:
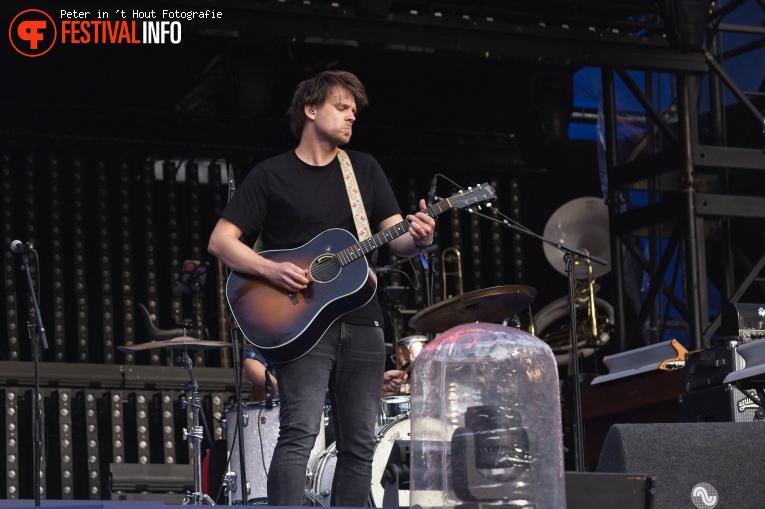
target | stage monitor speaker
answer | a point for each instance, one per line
(703, 464)
(589, 490)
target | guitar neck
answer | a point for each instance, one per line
(355, 252)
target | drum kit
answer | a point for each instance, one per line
(261, 422)
(582, 220)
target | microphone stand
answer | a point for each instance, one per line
(569, 253)
(396, 316)
(426, 257)
(36, 335)
(237, 348)
(427, 260)
(392, 267)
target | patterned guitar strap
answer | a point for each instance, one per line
(354, 196)
(357, 204)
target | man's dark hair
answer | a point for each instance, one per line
(316, 90)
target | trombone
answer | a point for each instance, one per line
(582, 221)
(451, 270)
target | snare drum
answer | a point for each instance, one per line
(261, 429)
(391, 408)
(385, 437)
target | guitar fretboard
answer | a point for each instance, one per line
(379, 239)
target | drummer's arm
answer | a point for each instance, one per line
(255, 373)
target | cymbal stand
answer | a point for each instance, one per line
(195, 433)
(393, 306)
(229, 485)
(569, 253)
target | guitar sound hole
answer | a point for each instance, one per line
(325, 268)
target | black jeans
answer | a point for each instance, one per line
(350, 361)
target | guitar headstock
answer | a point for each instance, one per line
(473, 196)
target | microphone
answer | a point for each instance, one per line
(432, 190)
(231, 182)
(433, 248)
(269, 390)
(392, 267)
(22, 247)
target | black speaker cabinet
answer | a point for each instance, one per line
(693, 465)
(591, 490)
(722, 403)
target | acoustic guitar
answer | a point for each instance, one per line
(283, 325)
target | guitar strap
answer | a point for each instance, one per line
(354, 196)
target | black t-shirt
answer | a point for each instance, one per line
(291, 202)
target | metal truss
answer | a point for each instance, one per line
(684, 174)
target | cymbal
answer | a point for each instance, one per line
(180, 343)
(491, 305)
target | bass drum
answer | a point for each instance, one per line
(261, 429)
(385, 437)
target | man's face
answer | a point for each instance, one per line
(334, 118)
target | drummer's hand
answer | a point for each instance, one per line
(393, 379)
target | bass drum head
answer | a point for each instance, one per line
(400, 429)
(385, 437)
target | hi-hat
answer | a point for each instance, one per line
(490, 305)
(181, 343)
(581, 223)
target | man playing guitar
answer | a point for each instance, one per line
(292, 198)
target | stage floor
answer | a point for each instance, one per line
(90, 504)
